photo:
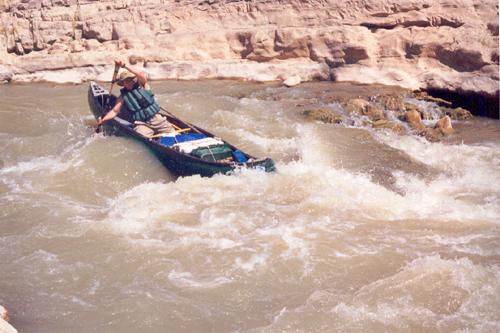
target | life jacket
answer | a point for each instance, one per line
(140, 102)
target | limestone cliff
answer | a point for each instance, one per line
(438, 44)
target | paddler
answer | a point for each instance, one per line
(137, 96)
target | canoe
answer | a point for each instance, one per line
(191, 151)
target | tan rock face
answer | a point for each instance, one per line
(441, 44)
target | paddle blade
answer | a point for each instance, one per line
(90, 122)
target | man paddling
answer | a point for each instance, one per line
(137, 96)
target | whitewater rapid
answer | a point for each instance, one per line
(358, 230)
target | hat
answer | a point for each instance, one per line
(123, 76)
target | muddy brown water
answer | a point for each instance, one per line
(359, 230)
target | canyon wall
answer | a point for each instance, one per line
(447, 45)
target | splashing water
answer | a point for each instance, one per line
(359, 230)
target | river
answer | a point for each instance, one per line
(359, 230)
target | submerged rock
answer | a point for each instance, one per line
(444, 125)
(356, 105)
(365, 108)
(458, 113)
(396, 127)
(391, 102)
(327, 116)
(414, 119)
(399, 111)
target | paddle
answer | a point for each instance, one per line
(108, 105)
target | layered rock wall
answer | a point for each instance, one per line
(438, 44)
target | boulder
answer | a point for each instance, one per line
(444, 125)
(374, 113)
(262, 46)
(394, 126)
(58, 48)
(414, 119)
(76, 46)
(324, 115)
(458, 113)
(363, 107)
(391, 102)
(356, 105)
(91, 44)
(432, 134)
(292, 43)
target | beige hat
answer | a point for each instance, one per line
(123, 76)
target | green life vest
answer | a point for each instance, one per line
(140, 102)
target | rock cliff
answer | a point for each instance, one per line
(447, 45)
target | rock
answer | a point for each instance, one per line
(458, 113)
(262, 45)
(414, 119)
(325, 115)
(19, 48)
(391, 102)
(4, 314)
(101, 31)
(91, 44)
(363, 107)
(356, 105)
(444, 125)
(448, 45)
(292, 81)
(38, 44)
(76, 46)
(388, 124)
(422, 95)
(5, 73)
(5, 327)
(374, 113)
(58, 48)
(432, 134)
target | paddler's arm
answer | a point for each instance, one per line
(112, 113)
(141, 76)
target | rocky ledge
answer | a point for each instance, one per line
(441, 45)
(400, 111)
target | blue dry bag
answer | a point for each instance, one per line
(239, 156)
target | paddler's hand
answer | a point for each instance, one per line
(119, 63)
(99, 121)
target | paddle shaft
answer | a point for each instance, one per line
(106, 108)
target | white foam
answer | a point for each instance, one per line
(253, 262)
(188, 280)
(429, 292)
(467, 187)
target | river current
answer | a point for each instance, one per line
(359, 230)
